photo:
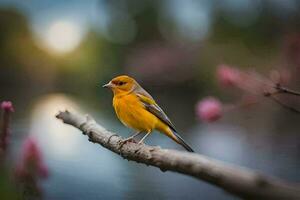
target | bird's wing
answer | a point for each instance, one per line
(153, 108)
(141, 91)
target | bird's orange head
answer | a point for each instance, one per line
(121, 84)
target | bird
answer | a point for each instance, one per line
(137, 110)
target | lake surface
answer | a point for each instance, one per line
(267, 141)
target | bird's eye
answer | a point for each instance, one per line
(121, 83)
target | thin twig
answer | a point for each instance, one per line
(238, 181)
(281, 89)
(284, 105)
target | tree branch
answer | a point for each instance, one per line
(236, 180)
(281, 89)
(284, 105)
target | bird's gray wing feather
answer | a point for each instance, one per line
(153, 108)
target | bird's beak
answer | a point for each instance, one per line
(108, 85)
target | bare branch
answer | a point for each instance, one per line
(236, 180)
(282, 90)
(285, 90)
(284, 105)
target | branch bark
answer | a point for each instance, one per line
(238, 181)
(281, 89)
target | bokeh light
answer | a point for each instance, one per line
(62, 36)
(55, 138)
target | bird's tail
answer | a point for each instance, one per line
(182, 142)
(176, 137)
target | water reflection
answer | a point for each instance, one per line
(223, 142)
(83, 170)
(261, 150)
(56, 138)
(73, 162)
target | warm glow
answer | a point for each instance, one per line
(62, 36)
(54, 136)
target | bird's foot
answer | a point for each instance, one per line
(141, 142)
(130, 139)
(111, 137)
(122, 142)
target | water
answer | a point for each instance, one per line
(83, 170)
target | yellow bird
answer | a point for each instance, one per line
(137, 109)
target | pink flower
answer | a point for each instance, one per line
(7, 106)
(228, 76)
(31, 169)
(31, 162)
(247, 81)
(209, 109)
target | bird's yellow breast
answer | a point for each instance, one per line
(132, 113)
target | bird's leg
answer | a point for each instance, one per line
(142, 140)
(131, 137)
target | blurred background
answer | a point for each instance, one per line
(56, 54)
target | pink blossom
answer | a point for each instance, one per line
(31, 162)
(31, 168)
(247, 81)
(228, 76)
(209, 109)
(7, 106)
